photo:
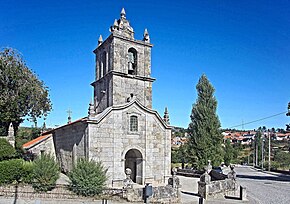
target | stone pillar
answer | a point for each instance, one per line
(11, 136)
(139, 170)
(243, 193)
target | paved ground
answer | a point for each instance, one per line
(264, 187)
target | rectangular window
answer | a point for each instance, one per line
(133, 123)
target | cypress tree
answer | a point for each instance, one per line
(204, 130)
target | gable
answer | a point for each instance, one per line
(131, 107)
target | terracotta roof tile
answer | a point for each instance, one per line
(35, 141)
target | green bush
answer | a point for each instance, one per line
(283, 158)
(7, 151)
(274, 165)
(11, 171)
(27, 173)
(45, 173)
(88, 178)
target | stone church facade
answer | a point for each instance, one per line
(121, 129)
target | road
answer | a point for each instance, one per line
(264, 187)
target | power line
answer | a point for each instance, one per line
(259, 119)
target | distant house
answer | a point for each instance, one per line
(282, 136)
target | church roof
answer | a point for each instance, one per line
(36, 141)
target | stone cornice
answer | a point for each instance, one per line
(141, 42)
(112, 72)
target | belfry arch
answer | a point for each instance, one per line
(134, 161)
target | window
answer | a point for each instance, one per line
(132, 61)
(100, 69)
(104, 62)
(133, 123)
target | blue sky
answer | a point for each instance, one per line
(242, 46)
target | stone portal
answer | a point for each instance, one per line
(134, 161)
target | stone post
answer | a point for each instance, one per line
(243, 193)
(11, 136)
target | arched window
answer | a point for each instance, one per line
(132, 61)
(104, 62)
(133, 123)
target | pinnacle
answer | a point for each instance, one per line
(123, 13)
(100, 41)
(115, 22)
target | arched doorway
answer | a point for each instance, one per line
(134, 161)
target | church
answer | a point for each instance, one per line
(121, 129)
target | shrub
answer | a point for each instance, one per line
(10, 171)
(87, 178)
(283, 158)
(45, 173)
(274, 165)
(27, 172)
(7, 151)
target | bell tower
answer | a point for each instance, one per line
(123, 67)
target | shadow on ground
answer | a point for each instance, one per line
(282, 178)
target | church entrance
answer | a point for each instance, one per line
(134, 161)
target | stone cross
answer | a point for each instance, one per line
(69, 116)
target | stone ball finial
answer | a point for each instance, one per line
(128, 171)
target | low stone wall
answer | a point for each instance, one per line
(221, 188)
(189, 173)
(161, 194)
(26, 191)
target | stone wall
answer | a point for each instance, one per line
(111, 139)
(26, 191)
(45, 146)
(161, 194)
(70, 144)
(218, 189)
(121, 46)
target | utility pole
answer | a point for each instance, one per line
(269, 159)
(257, 147)
(262, 163)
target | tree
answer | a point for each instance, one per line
(22, 93)
(205, 140)
(7, 151)
(88, 178)
(229, 153)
